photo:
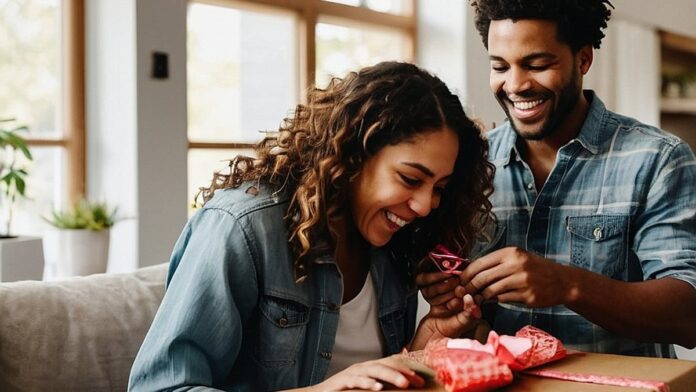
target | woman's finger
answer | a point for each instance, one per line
(470, 307)
(439, 299)
(454, 304)
(428, 278)
(389, 370)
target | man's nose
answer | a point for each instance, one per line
(516, 81)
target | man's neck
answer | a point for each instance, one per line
(540, 155)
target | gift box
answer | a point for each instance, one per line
(677, 375)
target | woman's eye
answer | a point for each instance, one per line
(439, 190)
(410, 181)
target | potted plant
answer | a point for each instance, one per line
(21, 257)
(12, 174)
(80, 243)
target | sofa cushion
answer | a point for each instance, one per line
(80, 334)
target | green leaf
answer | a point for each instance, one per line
(20, 184)
(84, 215)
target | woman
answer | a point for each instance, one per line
(301, 262)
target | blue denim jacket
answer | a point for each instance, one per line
(620, 201)
(233, 317)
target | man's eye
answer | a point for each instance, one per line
(499, 68)
(410, 181)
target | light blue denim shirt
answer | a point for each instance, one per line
(233, 317)
(620, 201)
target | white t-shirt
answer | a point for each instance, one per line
(359, 336)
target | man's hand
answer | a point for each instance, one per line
(516, 275)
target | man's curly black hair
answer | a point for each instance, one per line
(580, 22)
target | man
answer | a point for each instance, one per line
(596, 239)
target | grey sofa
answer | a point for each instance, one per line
(80, 334)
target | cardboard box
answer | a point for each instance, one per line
(679, 375)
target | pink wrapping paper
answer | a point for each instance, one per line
(463, 365)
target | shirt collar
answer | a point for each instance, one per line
(590, 136)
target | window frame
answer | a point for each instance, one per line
(308, 14)
(72, 109)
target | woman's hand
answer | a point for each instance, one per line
(442, 291)
(437, 327)
(371, 375)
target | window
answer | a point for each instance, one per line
(41, 74)
(248, 62)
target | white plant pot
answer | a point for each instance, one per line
(21, 258)
(76, 252)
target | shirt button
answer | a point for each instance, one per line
(333, 306)
(325, 355)
(283, 321)
(597, 233)
(530, 186)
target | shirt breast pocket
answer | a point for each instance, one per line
(599, 243)
(280, 331)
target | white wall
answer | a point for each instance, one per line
(162, 125)
(450, 47)
(111, 110)
(137, 125)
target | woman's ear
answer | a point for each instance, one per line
(585, 57)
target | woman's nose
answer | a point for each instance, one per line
(421, 202)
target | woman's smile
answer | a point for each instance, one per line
(402, 182)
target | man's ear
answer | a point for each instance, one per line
(585, 56)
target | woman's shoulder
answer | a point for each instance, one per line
(248, 198)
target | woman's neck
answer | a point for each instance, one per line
(352, 257)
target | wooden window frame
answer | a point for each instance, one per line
(73, 98)
(308, 13)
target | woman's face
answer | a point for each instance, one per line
(401, 183)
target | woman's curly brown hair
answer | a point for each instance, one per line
(322, 146)
(580, 22)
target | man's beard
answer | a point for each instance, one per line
(566, 101)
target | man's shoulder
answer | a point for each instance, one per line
(638, 134)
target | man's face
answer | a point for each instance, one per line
(535, 77)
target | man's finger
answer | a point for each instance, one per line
(501, 286)
(481, 264)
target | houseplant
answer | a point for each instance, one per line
(21, 257)
(80, 243)
(12, 174)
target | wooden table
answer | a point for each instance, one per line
(680, 375)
